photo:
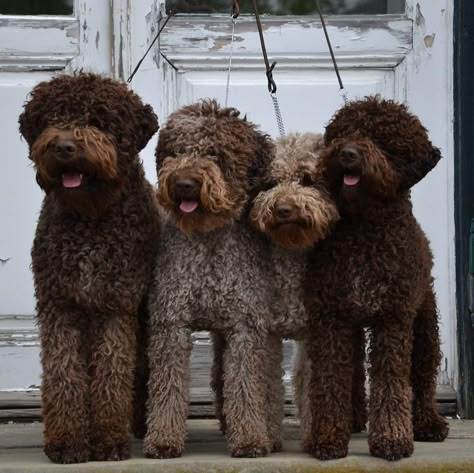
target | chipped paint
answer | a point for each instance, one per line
(97, 39)
(152, 20)
(419, 18)
(365, 41)
(429, 40)
(120, 58)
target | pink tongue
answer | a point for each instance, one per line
(351, 180)
(188, 206)
(72, 179)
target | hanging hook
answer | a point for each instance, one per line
(235, 10)
(272, 87)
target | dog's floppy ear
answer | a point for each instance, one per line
(265, 150)
(422, 160)
(147, 126)
(33, 119)
(39, 181)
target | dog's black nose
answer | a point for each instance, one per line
(349, 154)
(283, 211)
(65, 149)
(186, 186)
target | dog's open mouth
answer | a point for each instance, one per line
(188, 206)
(71, 180)
(351, 179)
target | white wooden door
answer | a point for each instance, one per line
(32, 49)
(406, 56)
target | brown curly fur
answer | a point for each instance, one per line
(210, 275)
(374, 271)
(290, 181)
(91, 259)
(294, 210)
(220, 167)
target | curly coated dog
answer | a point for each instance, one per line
(374, 270)
(211, 269)
(295, 211)
(92, 258)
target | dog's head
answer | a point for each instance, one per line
(207, 161)
(294, 210)
(376, 151)
(84, 131)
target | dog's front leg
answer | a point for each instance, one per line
(428, 425)
(65, 385)
(390, 420)
(245, 388)
(359, 402)
(112, 368)
(217, 377)
(275, 392)
(329, 347)
(168, 391)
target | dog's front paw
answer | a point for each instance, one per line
(277, 446)
(391, 448)
(111, 449)
(250, 451)
(67, 452)
(163, 448)
(252, 445)
(328, 451)
(163, 451)
(433, 429)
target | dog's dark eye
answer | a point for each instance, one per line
(307, 180)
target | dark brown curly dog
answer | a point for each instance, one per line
(376, 273)
(92, 257)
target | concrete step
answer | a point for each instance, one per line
(20, 452)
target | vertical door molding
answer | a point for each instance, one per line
(428, 83)
(95, 30)
(122, 39)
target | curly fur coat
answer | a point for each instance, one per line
(211, 269)
(374, 271)
(91, 258)
(295, 212)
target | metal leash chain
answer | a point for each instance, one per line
(272, 88)
(281, 128)
(234, 15)
(342, 90)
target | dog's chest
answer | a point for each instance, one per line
(89, 265)
(289, 316)
(353, 281)
(217, 277)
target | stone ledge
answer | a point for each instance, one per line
(20, 452)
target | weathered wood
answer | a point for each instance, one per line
(25, 406)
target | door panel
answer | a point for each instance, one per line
(306, 99)
(407, 57)
(32, 49)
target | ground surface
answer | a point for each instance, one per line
(20, 451)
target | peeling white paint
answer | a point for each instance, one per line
(429, 40)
